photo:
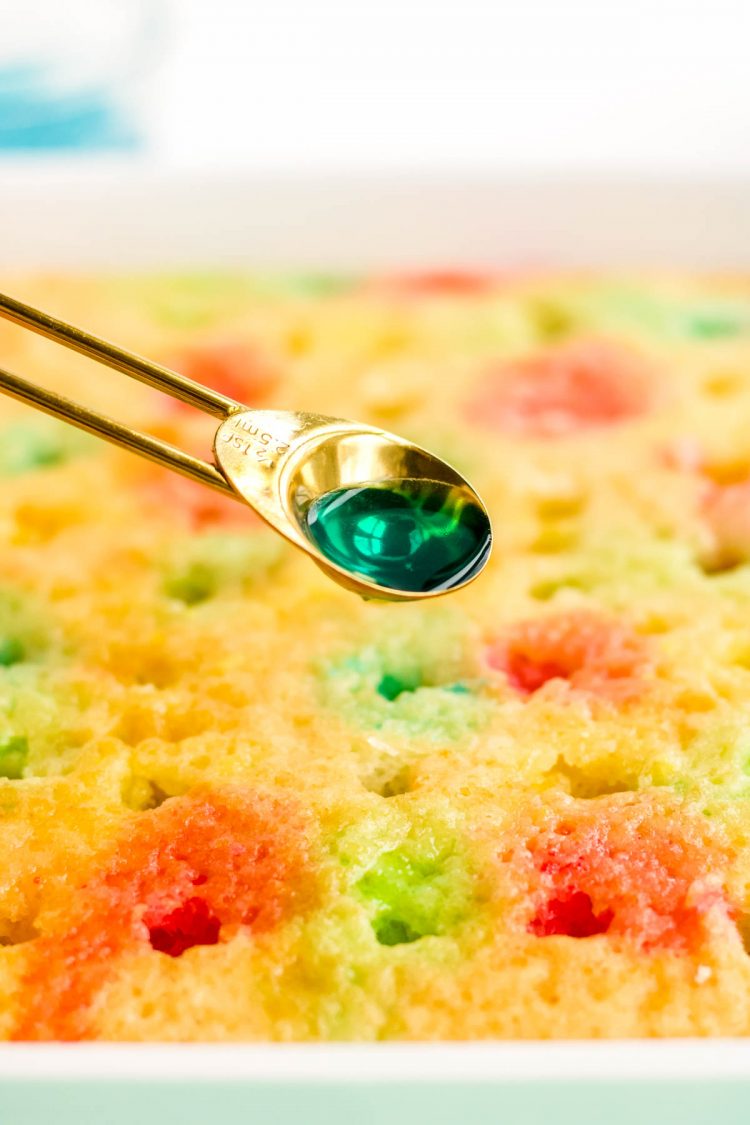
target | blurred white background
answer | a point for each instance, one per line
(631, 84)
(610, 84)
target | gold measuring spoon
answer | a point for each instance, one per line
(378, 514)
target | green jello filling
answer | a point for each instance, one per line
(307, 285)
(660, 314)
(392, 931)
(207, 565)
(11, 651)
(14, 753)
(24, 447)
(418, 679)
(415, 893)
(391, 687)
(714, 326)
(617, 568)
(404, 701)
(716, 761)
(197, 300)
(24, 631)
(196, 583)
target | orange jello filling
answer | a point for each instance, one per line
(235, 368)
(577, 386)
(590, 653)
(193, 871)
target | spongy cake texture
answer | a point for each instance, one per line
(238, 803)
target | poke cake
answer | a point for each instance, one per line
(238, 802)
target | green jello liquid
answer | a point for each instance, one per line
(417, 535)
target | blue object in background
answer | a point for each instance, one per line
(72, 74)
(35, 116)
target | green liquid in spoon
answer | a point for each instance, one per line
(416, 535)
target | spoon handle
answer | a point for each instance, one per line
(78, 340)
(178, 386)
(145, 445)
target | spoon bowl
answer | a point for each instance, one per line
(381, 516)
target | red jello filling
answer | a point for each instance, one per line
(577, 386)
(234, 368)
(572, 915)
(641, 871)
(192, 504)
(440, 283)
(187, 925)
(247, 854)
(592, 654)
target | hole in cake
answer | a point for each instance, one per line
(143, 793)
(560, 504)
(191, 923)
(740, 655)
(300, 341)
(726, 513)
(192, 586)
(655, 624)
(398, 784)
(17, 932)
(389, 783)
(716, 567)
(157, 796)
(545, 589)
(570, 915)
(14, 756)
(394, 931)
(415, 893)
(743, 928)
(591, 653)
(556, 536)
(731, 470)
(583, 785)
(552, 321)
(558, 510)
(723, 384)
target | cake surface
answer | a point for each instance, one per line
(239, 803)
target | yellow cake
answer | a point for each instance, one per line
(239, 803)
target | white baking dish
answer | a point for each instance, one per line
(116, 216)
(112, 215)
